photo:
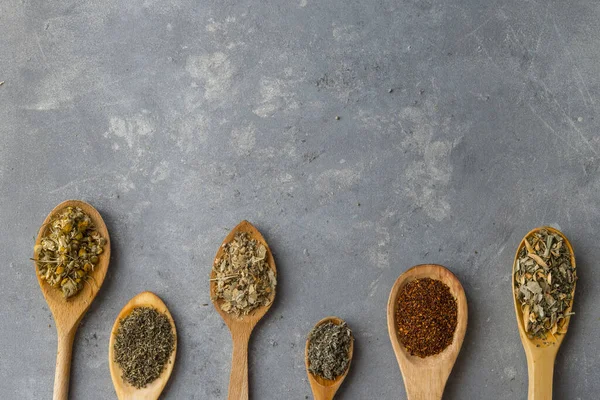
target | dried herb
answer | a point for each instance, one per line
(426, 317)
(244, 280)
(143, 344)
(328, 348)
(544, 281)
(68, 250)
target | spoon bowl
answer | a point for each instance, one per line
(152, 391)
(425, 378)
(325, 389)
(69, 312)
(541, 354)
(241, 327)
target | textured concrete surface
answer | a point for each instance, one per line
(179, 118)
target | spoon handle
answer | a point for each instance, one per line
(424, 393)
(425, 384)
(323, 392)
(238, 380)
(63, 364)
(540, 367)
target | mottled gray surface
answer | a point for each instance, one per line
(179, 118)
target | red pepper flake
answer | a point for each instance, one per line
(426, 317)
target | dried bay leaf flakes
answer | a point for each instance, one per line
(243, 278)
(544, 281)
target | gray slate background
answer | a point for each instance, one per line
(179, 118)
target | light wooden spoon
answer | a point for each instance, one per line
(241, 328)
(153, 390)
(325, 389)
(69, 312)
(540, 354)
(425, 378)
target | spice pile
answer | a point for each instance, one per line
(68, 251)
(328, 347)
(244, 280)
(143, 344)
(544, 281)
(426, 317)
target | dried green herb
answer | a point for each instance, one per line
(328, 348)
(426, 317)
(143, 344)
(244, 280)
(69, 250)
(544, 281)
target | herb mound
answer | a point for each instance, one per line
(328, 347)
(544, 283)
(68, 251)
(244, 279)
(426, 317)
(143, 344)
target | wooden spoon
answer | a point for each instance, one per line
(153, 390)
(241, 328)
(69, 312)
(325, 389)
(425, 378)
(540, 354)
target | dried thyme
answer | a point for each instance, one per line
(328, 348)
(244, 280)
(544, 281)
(69, 250)
(426, 317)
(143, 344)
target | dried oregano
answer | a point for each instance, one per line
(69, 250)
(328, 348)
(244, 280)
(544, 281)
(143, 344)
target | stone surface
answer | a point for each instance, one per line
(177, 119)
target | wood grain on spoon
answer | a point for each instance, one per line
(541, 354)
(153, 390)
(241, 327)
(325, 389)
(425, 378)
(69, 312)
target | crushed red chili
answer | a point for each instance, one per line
(426, 317)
